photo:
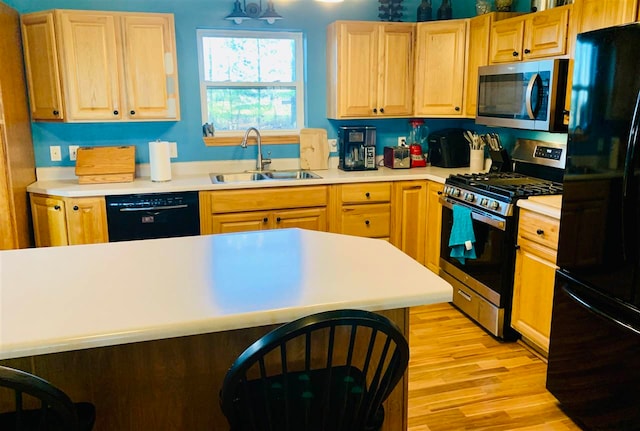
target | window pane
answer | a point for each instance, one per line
(246, 59)
(240, 108)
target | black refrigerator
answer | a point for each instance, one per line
(594, 352)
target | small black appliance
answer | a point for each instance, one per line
(357, 148)
(448, 149)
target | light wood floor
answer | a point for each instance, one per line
(460, 378)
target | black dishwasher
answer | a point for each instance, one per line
(152, 215)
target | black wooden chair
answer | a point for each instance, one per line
(328, 371)
(41, 406)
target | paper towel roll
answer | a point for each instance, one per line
(160, 161)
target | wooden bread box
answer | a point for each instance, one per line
(96, 165)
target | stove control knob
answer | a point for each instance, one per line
(456, 193)
(469, 197)
(484, 202)
(494, 205)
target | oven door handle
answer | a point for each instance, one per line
(495, 222)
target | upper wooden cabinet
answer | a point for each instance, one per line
(440, 68)
(530, 36)
(369, 69)
(101, 66)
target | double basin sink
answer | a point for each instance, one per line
(252, 176)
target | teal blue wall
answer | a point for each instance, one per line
(307, 16)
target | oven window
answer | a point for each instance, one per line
(495, 251)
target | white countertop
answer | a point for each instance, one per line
(76, 297)
(547, 205)
(195, 176)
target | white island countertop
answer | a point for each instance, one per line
(67, 298)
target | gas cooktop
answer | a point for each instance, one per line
(510, 185)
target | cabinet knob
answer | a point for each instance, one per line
(115, 112)
(132, 112)
(527, 51)
(266, 219)
(439, 192)
(56, 113)
(367, 194)
(278, 219)
(57, 207)
(540, 232)
(517, 247)
(382, 110)
(375, 110)
(75, 208)
(457, 108)
(515, 53)
(366, 222)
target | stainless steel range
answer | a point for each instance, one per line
(483, 285)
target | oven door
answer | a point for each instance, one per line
(490, 275)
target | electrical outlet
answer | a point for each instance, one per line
(173, 149)
(402, 140)
(55, 153)
(73, 152)
(333, 145)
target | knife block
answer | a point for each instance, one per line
(500, 161)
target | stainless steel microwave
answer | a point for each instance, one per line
(526, 95)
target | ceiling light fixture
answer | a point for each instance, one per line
(253, 11)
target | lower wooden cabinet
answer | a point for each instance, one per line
(362, 209)
(409, 227)
(434, 225)
(535, 278)
(229, 211)
(68, 221)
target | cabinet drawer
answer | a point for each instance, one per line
(372, 221)
(267, 198)
(365, 193)
(539, 228)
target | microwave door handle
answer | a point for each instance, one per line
(529, 96)
(629, 199)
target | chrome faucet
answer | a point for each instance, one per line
(261, 162)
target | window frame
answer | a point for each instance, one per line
(299, 82)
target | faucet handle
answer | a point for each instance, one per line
(266, 161)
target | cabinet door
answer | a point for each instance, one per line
(357, 64)
(409, 228)
(90, 65)
(545, 33)
(440, 68)
(478, 55)
(49, 221)
(41, 66)
(151, 75)
(533, 296)
(506, 40)
(240, 222)
(395, 89)
(308, 218)
(434, 225)
(86, 220)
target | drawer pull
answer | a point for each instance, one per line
(75, 208)
(367, 194)
(366, 222)
(278, 219)
(540, 232)
(465, 295)
(266, 219)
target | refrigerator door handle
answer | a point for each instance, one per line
(589, 306)
(529, 96)
(628, 186)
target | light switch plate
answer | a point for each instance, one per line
(173, 149)
(73, 152)
(55, 153)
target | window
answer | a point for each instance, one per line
(251, 78)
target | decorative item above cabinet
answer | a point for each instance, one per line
(94, 66)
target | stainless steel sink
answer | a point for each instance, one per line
(291, 175)
(297, 174)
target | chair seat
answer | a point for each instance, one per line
(308, 396)
(31, 419)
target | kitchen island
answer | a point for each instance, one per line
(146, 329)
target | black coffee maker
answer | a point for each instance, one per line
(357, 148)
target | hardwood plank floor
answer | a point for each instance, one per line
(460, 378)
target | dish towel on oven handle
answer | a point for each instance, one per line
(462, 238)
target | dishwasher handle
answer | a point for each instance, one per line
(159, 208)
